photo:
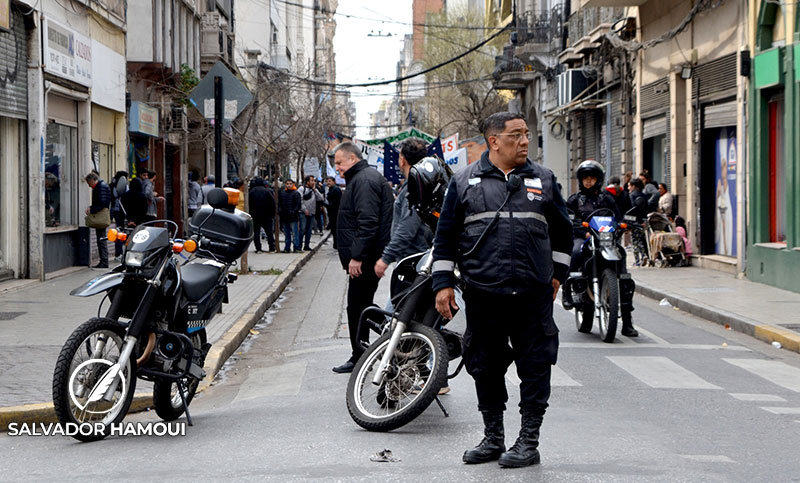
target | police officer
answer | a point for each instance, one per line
(505, 225)
(589, 198)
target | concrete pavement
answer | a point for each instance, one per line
(36, 318)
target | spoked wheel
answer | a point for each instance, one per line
(166, 399)
(609, 305)
(416, 372)
(86, 370)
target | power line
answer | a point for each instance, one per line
(399, 79)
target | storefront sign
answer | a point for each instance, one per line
(143, 119)
(109, 75)
(67, 53)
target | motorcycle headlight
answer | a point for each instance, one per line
(134, 259)
(606, 236)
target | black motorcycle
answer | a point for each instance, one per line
(600, 290)
(154, 328)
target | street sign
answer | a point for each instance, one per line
(237, 97)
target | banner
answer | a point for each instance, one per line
(435, 149)
(725, 203)
(391, 167)
(311, 167)
(458, 159)
(400, 137)
(450, 146)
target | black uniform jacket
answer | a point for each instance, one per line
(364, 224)
(530, 244)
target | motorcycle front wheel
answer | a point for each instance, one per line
(609, 305)
(83, 374)
(416, 372)
(166, 399)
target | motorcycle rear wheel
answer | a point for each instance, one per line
(166, 399)
(609, 305)
(77, 391)
(417, 371)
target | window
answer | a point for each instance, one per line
(60, 179)
(274, 31)
(103, 160)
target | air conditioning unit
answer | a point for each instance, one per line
(571, 83)
(177, 119)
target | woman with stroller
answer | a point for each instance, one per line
(589, 198)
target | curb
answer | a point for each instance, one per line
(768, 333)
(217, 356)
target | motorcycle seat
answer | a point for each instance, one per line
(198, 279)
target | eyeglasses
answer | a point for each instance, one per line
(517, 136)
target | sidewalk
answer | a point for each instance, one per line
(762, 311)
(36, 318)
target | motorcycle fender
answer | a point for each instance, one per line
(611, 254)
(459, 298)
(100, 284)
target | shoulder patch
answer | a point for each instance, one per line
(474, 181)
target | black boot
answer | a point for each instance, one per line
(524, 452)
(627, 325)
(493, 443)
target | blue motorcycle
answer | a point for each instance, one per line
(603, 288)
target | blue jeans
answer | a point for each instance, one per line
(290, 228)
(306, 227)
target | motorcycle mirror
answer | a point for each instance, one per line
(513, 183)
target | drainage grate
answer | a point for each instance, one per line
(10, 315)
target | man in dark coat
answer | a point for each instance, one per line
(101, 199)
(289, 204)
(262, 209)
(333, 199)
(363, 231)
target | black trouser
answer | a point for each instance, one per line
(332, 214)
(524, 320)
(268, 226)
(360, 295)
(102, 245)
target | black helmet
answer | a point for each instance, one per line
(590, 167)
(427, 183)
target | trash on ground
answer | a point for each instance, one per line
(384, 456)
(254, 332)
(665, 303)
(724, 344)
(727, 326)
(776, 345)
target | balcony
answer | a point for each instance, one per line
(612, 3)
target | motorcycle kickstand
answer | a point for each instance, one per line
(441, 406)
(181, 388)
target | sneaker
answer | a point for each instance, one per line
(101, 265)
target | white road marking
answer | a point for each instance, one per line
(558, 378)
(661, 372)
(651, 335)
(707, 458)
(776, 372)
(603, 345)
(280, 380)
(758, 397)
(782, 410)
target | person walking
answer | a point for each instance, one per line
(206, 188)
(505, 226)
(135, 204)
(119, 186)
(289, 204)
(195, 198)
(333, 199)
(262, 209)
(310, 197)
(650, 191)
(363, 231)
(101, 199)
(639, 210)
(319, 217)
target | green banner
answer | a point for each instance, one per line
(411, 132)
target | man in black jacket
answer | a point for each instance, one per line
(364, 230)
(101, 199)
(503, 222)
(333, 199)
(262, 209)
(289, 203)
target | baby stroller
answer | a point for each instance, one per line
(664, 245)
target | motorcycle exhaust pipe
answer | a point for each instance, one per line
(148, 350)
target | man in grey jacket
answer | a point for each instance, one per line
(409, 234)
(310, 196)
(650, 190)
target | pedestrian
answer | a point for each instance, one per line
(626, 178)
(363, 231)
(409, 235)
(135, 204)
(505, 225)
(262, 210)
(665, 201)
(195, 198)
(310, 197)
(639, 210)
(208, 186)
(148, 187)
(680, 228)
(586, 201)
(650, 191)
(100, 215)
(119, 186)
(333, 198)
(319, 217)
(238, 184)
(621, 196)
(289, 204)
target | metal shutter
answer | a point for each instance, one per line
(655, 126)
(616, 132)
(589, 135)
(720, 115)
(654, 97)
(714, 77)
(13, 69)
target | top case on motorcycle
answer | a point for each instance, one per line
(198, 279)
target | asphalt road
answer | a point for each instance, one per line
(686, 401)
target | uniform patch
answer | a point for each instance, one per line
(531, 196)
(474, 181)
(534, 190)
